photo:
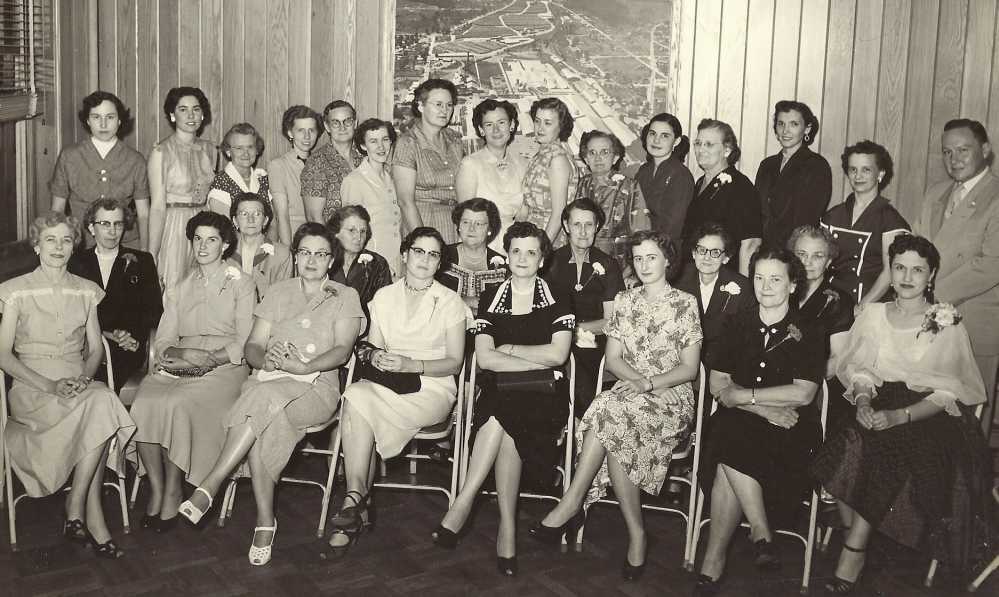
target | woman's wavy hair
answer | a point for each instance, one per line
(922, 247)
(795, 269)
(488, 105)
(369, 125)
(242, 128)
(666, 246)
(809, 118)
(682, 147)
(423, 91)
(50, 219)
(881, 157)
(479, 205)
(109, 204)
(815, 233)
(312, 229)
(616, 146)
(427, 232)
(711, 228)
(729, 139)
(220, 223)
(241, 198)
(584, 204)
(527, 230)
(173, 98)
(565, 119)
(299, 112)
(125, 120)
(341, 214)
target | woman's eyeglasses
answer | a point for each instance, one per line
(434, 255)
(713, 253)
(305, 254)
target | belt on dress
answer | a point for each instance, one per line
(170, 204)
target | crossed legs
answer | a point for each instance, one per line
(733, 496)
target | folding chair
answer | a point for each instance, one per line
(808, 540)
(131, 387)
(692, 446)
(973, 586)
(11, 501)
(229, 497)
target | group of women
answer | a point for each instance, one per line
(254, 333)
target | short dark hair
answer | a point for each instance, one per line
(795, 269)
(881, 157)
(815, 233)
(977, 128)
(298, 112)
(336, 105)
(347, 211)
(173, 98)
(488, 105)
(125, 119)
(810, 120)
(527, 230)
(922, 247)
(220, 223)
(616, 145)
(242, 128)
(245, 197)
(423, 91)
(729, 139)
(661, 240)
(109, 204)
(479, 205)
(565, 119)
(583, 204)
(369, 125)
(682, 147)
(711, 228)
(313, 229)
(427, 232)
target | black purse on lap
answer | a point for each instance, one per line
(400, 383)
(542, 381)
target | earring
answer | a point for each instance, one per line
(173, 118)
(808, 138)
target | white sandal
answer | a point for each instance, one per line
(192, 512)
(259, 556)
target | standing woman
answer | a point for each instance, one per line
(795, 184)
(353, 264)
(61, 421)
(370, 186)
(724, 195)
(102, 167)
(521, 331)
(551, 177)
(494, 172)
(181, 404)
(181, 168)
(300, 125)
(667, 185)
(327, 166)
(241, 146)
(426, 160)
(864, 225)
(619, 197)
(266, 262)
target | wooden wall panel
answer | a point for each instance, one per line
(344, 26)
(233, 35)
(146, 108)
(127, 59)
(893, 71)
(210, 64)
(167, 28)
(268, 123)
(299, 60)
(321, 51)
(366, 63)
(731, 65)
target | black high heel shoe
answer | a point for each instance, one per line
(150, 521)
(74, 531)
(766, 555)
(165, 526)
(553, 535)
(445, 537)
(507, 566)
(630, 573)
(707, 586)
(840, 586)
(349, 522)
(108, 550)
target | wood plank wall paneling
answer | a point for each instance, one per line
(894, 71)
(252, 58)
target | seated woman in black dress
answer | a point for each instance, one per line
(474, 266)
(758, 444)
(913, 464)
(353, 265)
(521, 329)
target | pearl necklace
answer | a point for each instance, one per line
(405, 283)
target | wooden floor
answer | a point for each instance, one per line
(398, 558)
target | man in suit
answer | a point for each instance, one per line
(132, 304)
(961, 217)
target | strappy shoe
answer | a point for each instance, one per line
(506, 566)
(108, 550)
(191, 512)
(74, 531)
(349, 523)
(259, 556)
(840, 586)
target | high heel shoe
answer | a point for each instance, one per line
(165, 526)
(507, 566)
(766, 555)
(707, 586)
(630, 573)
(191, 512)
(553, 535)
(348, 522)
(74, 531)
(108, 550)
(445, 537)
(841, 586)
(150, 521)
(259, 556)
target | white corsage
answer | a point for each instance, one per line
(364, 258)
(938, 317)
(231, 273)
(585, 338)
(724, 178)
(618, 177)
(310, 348)
(731, 289)
(267, 248)
(497, 262)
(306, 324)
(598, 269)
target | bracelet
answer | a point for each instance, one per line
(423, 366)
(752, 401)
(908, 416)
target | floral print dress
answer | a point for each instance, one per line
(642, 431)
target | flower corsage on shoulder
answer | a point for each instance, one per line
(364, 258)
(267, 248)
(617, 177)
(724, 178)
(793, 333)
(938, 317)
(497, 262)
(231, 273)
(731, 289)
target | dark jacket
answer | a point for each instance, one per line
(668, 191)
(792, 197)
(722, 309)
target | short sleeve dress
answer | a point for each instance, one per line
(534, 420)
(47, 435)
(537, 187)
(323, 175)
(435, 175)
(285, 175)
(397, 418)
(372, 188)
(830, 309)
(229, 182)
(185, 414)
(278, 406)
(758, 355)
(641, 431)
(368, 273)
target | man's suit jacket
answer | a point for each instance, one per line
(721, 308)
(968, 242)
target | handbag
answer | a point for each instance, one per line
(544, 381)
(400, 383)
(186, 371)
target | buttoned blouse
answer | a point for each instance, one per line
(794, 195)
(435, 171)
(375, 191)
(729, 200)
(208, 312)
(51, 316)
(668, 190)
(760, 355)
(285, 175)
(424, 334)
(585, 289)
(324, 173)
(82, 176)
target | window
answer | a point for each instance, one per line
(26, 63)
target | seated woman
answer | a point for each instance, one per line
(722, 293)
(416, 346)
(758, 444)
(353, 265)
(267, 262)
(629, 432)
(302, 333)
(133, 302)
(61, 420)
(181, 404)
(913, 464)
(474, 266)
(589, 279)
(522, 331)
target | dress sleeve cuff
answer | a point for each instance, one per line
(945, 400)
(857, 379)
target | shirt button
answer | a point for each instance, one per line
(759, 379)
(835, 235)
(104, 171)
(773, 330)
(104, 179)
(860, 241)
(763, 364)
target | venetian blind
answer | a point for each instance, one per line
(26, 64)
